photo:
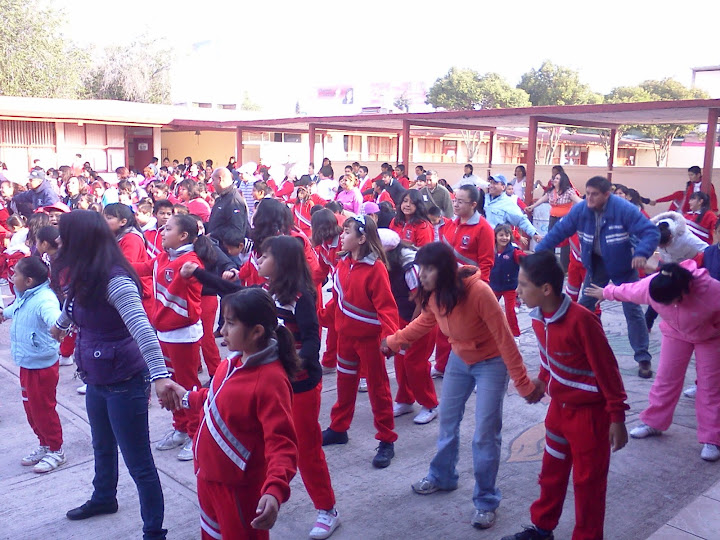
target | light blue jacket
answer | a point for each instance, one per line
(33, 313)
(503, 209)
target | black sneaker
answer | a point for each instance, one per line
(385, 453)
(90, 509)
(334, 437)
(645, 369)
(530, 533)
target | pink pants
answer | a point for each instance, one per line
(665, 392)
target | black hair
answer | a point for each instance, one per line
(522, 168)
(469, 166)
(254, 306)
(324, 226)
(123, 211)
(292, 267)
(635, 198)
(193, 188)
(670, 283)
(386, 215)
(50, 235)
(503, 227)
(395, 255)
(180, 209)
(34, 268)
(665, 234)
(272, 218)
(564, 183)
(543, 267)
(449, 287)
(317, 208)
(600, 183)
(203, 246)
(476, 195)
(34, 224)
(434, 211)
(372, 244)
(364, 168)
(704, 204)
(621, 187)
(444, 183)
(327, 171)
(334, 206)
(233, 238)
(401, 167)
(88, 254)
(695, 169)
(420, 214)
(17, 220)
(162, 203)
(261, 185)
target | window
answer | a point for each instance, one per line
(626, 157)
(292, 137)
(382, 148)
(352, 145)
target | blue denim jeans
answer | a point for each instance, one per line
(634, 316)
(118, 415)
(491, 379)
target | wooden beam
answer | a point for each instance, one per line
(710, 141)
(575, 123)
(530, 166)
(449, 125)
(311, 135)
(239, 144)
(611, 158)
(406, 146)
(490, 152)
(351, 129)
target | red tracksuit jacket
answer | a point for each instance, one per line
(418, 233)
(247, 436)
(154, 240)
(576, 361)
(301, 212)
(473, 243)
(327, 255)
(133, 246)
(705, 229)
(364, 303)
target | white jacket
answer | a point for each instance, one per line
(684, 244)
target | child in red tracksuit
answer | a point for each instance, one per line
(586, 415)
(503, 276)
(411, 222)
(326, 240)
(176, 317)
(246, 447)
(365, 312)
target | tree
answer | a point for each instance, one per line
(661, 135)
(556, 85)
(36, 60)
(138, 72)
(402, 102)
(466, 89)
(248, 104)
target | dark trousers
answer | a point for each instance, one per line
(118, 415)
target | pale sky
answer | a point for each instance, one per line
(278, 51)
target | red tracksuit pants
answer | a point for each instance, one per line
(311, 457)
(38, 387)
(226, 511)
(67, 345)
(329, 358)
(575, 277)
(412, 370)
(442, 351)
(208, 345)
(352, 353)
(509, 298)
(576, 438)
(182, 361)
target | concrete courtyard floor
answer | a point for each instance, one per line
(651, 481)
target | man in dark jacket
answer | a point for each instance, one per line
(40, 193)
(230, 209)
(394, 188)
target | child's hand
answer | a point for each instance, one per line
(387, 351)
(267, 511)
(594, 291)
(230, 275)
(618, 436)
(538, 393)
(169, 393)
(57, 333)
(187, 269)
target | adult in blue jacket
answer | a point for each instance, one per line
(605, 225)
(40, 193)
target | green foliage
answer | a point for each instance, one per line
(138, 72)
(466, 89)
(402, 102)
(557, 85)
(248, 104)
(35, 59)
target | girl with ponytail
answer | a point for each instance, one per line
(690, 323)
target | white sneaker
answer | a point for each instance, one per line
(66, 360)
(690, 391)
(517, 341)
(325, 524)
(710, 452)
(435, 374)
(362, 385)
(186, 453)
(82, 389)
(35, 456)
(172, 439)
(425, 416)
(50, 462)
(402, 408)
(643, 430)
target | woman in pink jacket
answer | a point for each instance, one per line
(680, 294)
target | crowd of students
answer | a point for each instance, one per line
(414, 266)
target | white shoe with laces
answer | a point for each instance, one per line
(436, 374)
(50, 461)
(710, 452)
(82, 389)
(325, 524)
(425, 416)
(362, 385)
(35, 456)
(643, 431)
(66, 360)
(402, 408)
(690, 391)
(186, 452)
(172, 439)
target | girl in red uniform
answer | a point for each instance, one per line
(176, 317)
(365, 313)
(326, 240)
(245, 448)
(700, 220)
(504, 274)
(304, 203)
(412, 222)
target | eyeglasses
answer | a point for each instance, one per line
(458, 201)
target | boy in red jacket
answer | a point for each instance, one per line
(586, 415)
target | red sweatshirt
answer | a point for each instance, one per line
(154, 240)
(576, 361)
(301, 212)
(177, 299)
(419, 233)
(473, 243)
(132, 245)
(327, 255)
(283, 191)
(364, 302)
(246, 436)
(705, 229)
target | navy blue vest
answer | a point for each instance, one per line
(711, 261)
(400, 290)
(105, 352)
(504, 275)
